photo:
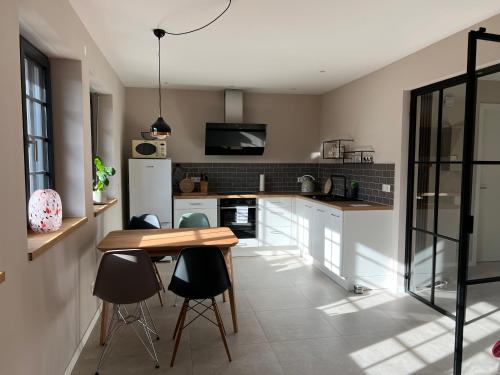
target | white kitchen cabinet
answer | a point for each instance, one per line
(207, 206)
(351, 247)
(331, 225)
(276, 225)
(304, 216)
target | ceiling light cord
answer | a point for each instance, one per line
(159, 75)
(204, 26)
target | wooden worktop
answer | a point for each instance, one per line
(340, 205)
(168, 239)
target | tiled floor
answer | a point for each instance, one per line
(293, 320)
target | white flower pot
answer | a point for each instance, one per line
(99, 197)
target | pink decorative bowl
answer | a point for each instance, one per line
(45, 211)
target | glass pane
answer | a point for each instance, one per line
(41, 182)
(452, 132)
(31, 155)
(421, 264)
(423, 211)
(29, 117)
(41, 156)
(488, 122)
(445, 291)
(426, 126)
(39, 120)
(27, 76)
(450, 183)
(485, 241)
(482, 300)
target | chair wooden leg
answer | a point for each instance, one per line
(220, 324)
(157, 271)
(161, 299)
(186, 302)
(180, 328)
(160, 281)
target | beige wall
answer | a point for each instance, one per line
(293, 122)
(374, 110)
(46, 304)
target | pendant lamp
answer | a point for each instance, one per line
(159, 129)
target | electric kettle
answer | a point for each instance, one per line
(307, 183)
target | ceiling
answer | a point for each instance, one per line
(280, 46)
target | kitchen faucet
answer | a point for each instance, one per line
(345, 182)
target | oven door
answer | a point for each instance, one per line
(242, 224)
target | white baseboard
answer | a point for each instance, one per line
(82, 343)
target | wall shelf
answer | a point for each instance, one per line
(39, 243)
(100, 208)
(335, 148)
(359, 157)
(342, 150)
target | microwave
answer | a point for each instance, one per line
(143, 149)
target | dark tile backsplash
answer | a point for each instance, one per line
(282, 177)
(370, 178)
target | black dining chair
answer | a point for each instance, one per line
(200, 274)
(126, 277)
(149, 221)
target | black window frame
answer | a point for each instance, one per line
(29, 51)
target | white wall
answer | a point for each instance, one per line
(46, 304)
(292, 133)
(374, 109)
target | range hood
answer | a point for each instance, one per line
(234, 137)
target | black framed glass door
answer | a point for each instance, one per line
(435, 172)
(453, 235)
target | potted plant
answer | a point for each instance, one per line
(103, 174)
(354, 189)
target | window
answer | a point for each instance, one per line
(37, 119)
(94, 128)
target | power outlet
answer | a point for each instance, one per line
(386, 188)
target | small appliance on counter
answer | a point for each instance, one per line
(262, 182)
(149, 149)
(307, 182)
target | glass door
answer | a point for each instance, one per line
(434, 193)
(453, 235)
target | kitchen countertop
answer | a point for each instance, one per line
(340, 205)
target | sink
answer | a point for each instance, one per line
(333, 198)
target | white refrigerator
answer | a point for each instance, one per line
(150, 188)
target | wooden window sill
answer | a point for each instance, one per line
(2, 277)
(100, 208)
(40, 243)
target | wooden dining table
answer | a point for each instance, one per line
(169, 242)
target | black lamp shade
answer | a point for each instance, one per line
(160, 129)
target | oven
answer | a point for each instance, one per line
(239, 214)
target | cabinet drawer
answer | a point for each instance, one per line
(275, 217)
(276, 237)
(276, 202)
(186, 204)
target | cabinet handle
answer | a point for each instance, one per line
(275, 232)
(195, 204)
(335, 215)
(319, 210)
(277, 213)
(308, 206)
